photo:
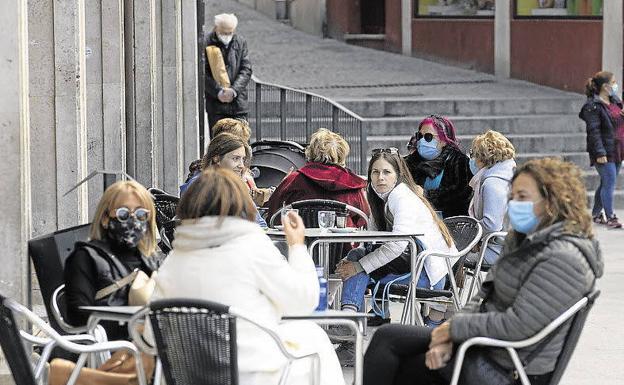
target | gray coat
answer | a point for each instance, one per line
(531, 284)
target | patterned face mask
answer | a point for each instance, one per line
(126, 234)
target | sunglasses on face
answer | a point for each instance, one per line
(123, 214)
(428, 136)
(390, 150)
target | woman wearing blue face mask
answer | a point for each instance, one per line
(492, 163)
(604, 118)
(440, 167)
(550, 262)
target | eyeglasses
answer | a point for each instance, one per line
(390, 150)
(428, 136)
(123, 214)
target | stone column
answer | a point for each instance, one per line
(188, 146)
(406, 27)
(15, 183)
(502, 38)
(612, 39)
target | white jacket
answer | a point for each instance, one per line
(410, 216)
(237, 264)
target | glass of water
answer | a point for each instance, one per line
(326, 219)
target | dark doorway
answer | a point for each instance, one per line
(373, 16)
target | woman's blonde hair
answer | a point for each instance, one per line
(236, 127)
(107, 203)
(217, 192)
(327, 147)
(377, 205)
(561, 185)
(492, 147)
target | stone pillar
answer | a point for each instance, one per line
(188, 146)
(612, 38)
(502, 38)
(406, 27)
(15, 183)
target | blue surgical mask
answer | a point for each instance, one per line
(522, 217)
(428, 150)
(474, 169)
(614, 90)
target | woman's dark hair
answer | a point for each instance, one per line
(193, 168)
(377, 204)
(595, 83)
(221, 145)
(217, 192)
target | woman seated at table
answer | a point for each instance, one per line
(492, 163)
(231, 152)
(122, 239)
(324, 176)
(397, 205)
(440, 167)
(550, 261)
(220, 254)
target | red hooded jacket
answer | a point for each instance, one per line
(322, 181)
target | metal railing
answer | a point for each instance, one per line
(283, 113)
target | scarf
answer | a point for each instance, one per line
(475, 209)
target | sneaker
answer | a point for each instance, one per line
(600, 219)
(376, 320)
(346, 354)
(614, 223)
(433, 324)
(339, 333)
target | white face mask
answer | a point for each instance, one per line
(383, 196)
(225, 39)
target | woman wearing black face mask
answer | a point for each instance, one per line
(122, 240)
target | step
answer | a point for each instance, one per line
(473, 125)
(618, 202)
(550, 143)
(467, 107)
(592, 180)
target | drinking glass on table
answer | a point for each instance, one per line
(326, 219)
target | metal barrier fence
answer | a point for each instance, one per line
(282, 113)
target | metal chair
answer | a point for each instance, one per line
(474, 268)
(48, 254)
(309, 208)
(575, 315)
(196, 341)
(11, 340)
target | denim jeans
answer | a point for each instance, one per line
(603, 197)
(353, 289)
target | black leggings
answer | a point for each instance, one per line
(396, 356)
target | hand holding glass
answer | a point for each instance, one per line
(326, 219)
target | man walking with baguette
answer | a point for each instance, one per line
(228, 71)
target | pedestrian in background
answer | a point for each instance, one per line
(228, 71)
(602, 113)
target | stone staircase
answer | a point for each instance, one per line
(538, 127)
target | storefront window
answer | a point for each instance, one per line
(454, 8)
(559, 8)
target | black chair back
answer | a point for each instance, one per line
(196, 342)
(272, 160)
(13, 347)
(309, 209)
(574, 333)
(463, 229)
(166, 206)
(48, 254)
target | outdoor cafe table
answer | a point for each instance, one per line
(355, 321)
(315, 237)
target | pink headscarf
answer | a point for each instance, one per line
(444, 128)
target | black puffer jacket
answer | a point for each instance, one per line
(535, 280)
(600, 128)
(239, 71)
(454, 194)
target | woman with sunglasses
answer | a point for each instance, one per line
(397, 205)
(550, 261)
(440, 167)
(122, 240)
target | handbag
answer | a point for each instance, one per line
(141, 289)
(120, 369)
